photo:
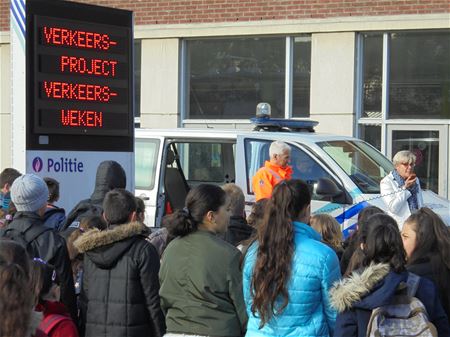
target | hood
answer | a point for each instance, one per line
(104, 248)
(239, 224)
(109, 175)
(282, 171)
(366, 289)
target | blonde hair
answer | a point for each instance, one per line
(329, 228)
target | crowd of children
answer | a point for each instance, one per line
(210, 270)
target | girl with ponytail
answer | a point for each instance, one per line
(201, 284)
(288, 271)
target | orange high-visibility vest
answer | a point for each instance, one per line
(267, 177)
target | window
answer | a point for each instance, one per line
(371, 134)
(145, 163)
(302, 76)
(303, 165)
(414, 83)
(425, 145)
(206, 162)
(363, 164)
(419, 85)
(227, 77)
(372, 72)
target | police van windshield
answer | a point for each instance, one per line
(363, 164)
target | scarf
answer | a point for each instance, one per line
(412, 200)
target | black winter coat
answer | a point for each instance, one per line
(423, 267)
(50, 247)
(238, 230)
(120, 292)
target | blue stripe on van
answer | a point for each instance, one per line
(351, 212)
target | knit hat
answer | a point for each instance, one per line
(29, 193)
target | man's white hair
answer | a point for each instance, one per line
(404, 156)
(278, 147)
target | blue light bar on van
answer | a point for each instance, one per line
(281, 124)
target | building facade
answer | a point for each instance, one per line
(377, 70)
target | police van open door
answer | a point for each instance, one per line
(329, 194)
(149, 153)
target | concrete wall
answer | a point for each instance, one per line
(332, 82)
(159, 88)
(5, 106)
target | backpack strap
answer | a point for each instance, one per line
(49, 322)
(29, 234)
(412, 284)
(34, 231)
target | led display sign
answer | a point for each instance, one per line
(79, 73)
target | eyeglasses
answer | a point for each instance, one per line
(408, 164)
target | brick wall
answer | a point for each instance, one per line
(196, 11)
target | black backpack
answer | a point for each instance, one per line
(83, 209)
(26, 237)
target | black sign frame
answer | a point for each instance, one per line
(62, 122)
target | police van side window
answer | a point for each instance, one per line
(206, 162)
(145, 163)
(363, 164)
(256, 153)
(303, 165)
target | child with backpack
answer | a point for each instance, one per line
(29, 193)
(381, 298)
(45, 284)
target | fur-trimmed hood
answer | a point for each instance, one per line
(367, 289)
(105, 247)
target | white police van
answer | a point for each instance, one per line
(344, 172)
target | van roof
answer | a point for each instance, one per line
(233, 133)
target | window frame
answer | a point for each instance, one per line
(184, 78)
(225, 157)
(306, 151)
(384, 121)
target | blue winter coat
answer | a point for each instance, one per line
(315, 267)
(355, 298)
(54, 217)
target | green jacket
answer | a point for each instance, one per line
(201, 286)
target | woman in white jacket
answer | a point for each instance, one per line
(400, 189)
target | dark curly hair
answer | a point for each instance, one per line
(383, 243)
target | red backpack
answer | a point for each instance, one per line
(50, 321)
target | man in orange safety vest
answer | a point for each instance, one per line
(274, 170)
